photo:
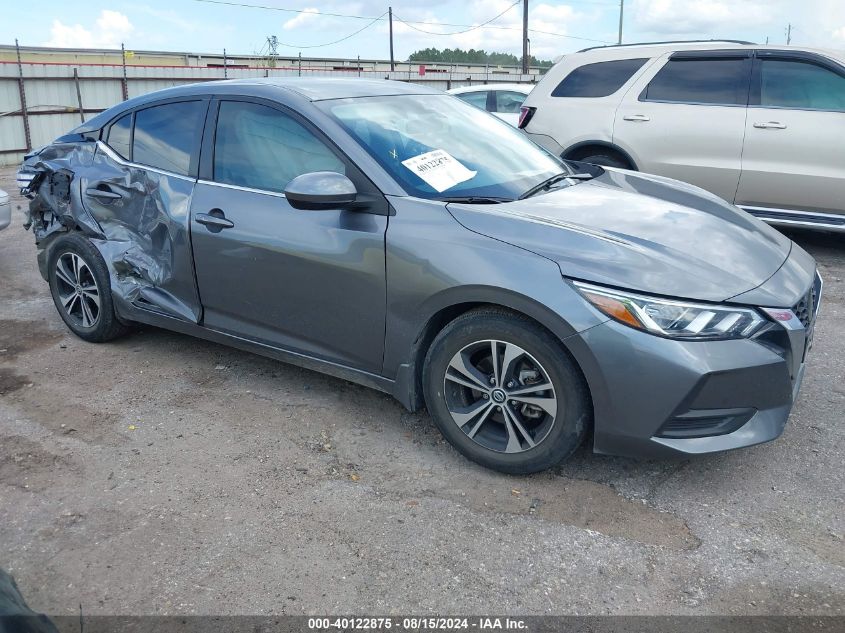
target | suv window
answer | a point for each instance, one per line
(120, 136)
(794, 84)
(508, 101)
(260, 147)
(478, 99)
(711, 81)
(167, 135)
(598, 80)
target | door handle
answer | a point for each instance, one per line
(214, 220)
(103, 194)
(770, 125)
(636, 117)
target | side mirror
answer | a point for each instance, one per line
(320, 190)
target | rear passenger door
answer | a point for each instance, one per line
(685, 119)
(794, 156)
(139, 190)
(311, 282)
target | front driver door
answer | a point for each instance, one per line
(308, 281)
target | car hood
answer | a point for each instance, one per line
(641, 232)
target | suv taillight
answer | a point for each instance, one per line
(525, 114)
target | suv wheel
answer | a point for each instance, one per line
(505, 393)
(79, 283)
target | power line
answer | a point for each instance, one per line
(266, 8)
(469, 27)
(472, 28)
(342, 39)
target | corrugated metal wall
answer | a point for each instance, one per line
(52, 101)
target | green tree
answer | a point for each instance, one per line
(472, 56)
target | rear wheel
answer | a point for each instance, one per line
(79, 284)
(504, 392)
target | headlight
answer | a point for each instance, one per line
(671, 318)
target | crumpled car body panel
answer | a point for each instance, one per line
(143, 234)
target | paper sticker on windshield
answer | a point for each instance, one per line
(439, 169)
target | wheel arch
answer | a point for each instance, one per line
(585, 148)
(408, 386)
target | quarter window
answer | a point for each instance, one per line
(166, 136)
(120, 136)
(598, 80)
(508, 101)
(800, 85)
(709, 81)
(262, 148)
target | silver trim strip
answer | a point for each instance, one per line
(108, 151)
(818, 221)
(225, 185)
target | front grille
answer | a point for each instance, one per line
(805, 308)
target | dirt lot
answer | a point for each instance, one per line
(163, 474)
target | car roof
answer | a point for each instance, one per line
(277, 88)
(523, 88)
(652, 49)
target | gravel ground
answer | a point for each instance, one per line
(161, 474)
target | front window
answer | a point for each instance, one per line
(800, 85)
(438, 147)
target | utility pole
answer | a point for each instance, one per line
(525, 59)
(621, 15)
(788, 34)
(272, 51)
(390, 14)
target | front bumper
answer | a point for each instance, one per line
(658, 397)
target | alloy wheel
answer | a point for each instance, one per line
(500, 396)
(77, 290)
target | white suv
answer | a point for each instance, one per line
(761, 126)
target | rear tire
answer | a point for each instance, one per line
(527, 413)
(81, 290)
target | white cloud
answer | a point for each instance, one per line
(113, 28)
(703, 18)
(305, 17)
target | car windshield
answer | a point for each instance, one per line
(438, 147)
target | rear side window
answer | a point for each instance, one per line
(262, 148)
(478, 99)
(709, 81)
(598, 80)
(120, 136)
(167, 136)
(800, 85)
(508, 101)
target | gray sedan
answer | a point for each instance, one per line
(388, 234)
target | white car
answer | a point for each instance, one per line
(5, 210)
(502, 100)
(761, 126)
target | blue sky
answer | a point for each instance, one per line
(557, 27)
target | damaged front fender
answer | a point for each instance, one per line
(137, 217)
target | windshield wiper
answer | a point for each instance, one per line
(548, 182)
(475, 199)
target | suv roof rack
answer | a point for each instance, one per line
(743, 42)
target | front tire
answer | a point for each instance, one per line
(505, 393)
(79, 284)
